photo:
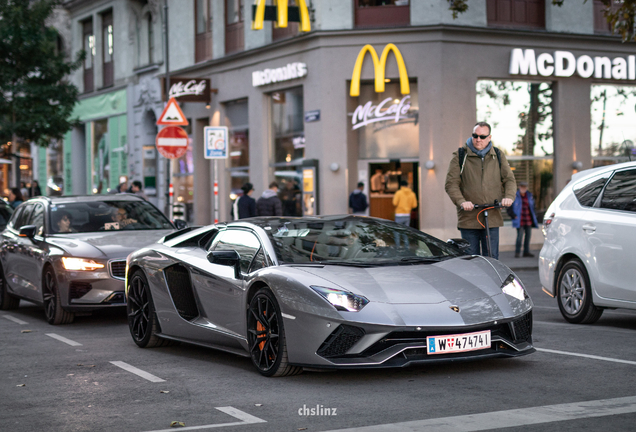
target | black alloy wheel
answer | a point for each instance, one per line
(7, 301)
(266, 336)
(55, 315)
(142, 319)
(574, 294)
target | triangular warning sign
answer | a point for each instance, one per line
(172, 115)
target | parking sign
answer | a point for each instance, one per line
(215, 142)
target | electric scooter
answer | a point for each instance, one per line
(485, 208)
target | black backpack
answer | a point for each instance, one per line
(461, 153)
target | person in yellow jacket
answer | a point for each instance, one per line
(404, 201)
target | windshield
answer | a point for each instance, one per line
(353, 241)
(106, 216)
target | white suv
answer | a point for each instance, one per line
(588, 258)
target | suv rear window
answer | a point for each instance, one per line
(586, 191)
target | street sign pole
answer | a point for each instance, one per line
(216, 191)
(169, 197)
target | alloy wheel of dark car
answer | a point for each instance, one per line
(142, 319)
(266, 336)
(574, 294)
(52, 303)
(7, 301)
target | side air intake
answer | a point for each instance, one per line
(180, 287)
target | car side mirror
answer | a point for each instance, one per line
(459, 243)
(180, 224)
(28, 231)
(227, 258)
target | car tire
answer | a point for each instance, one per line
(7, 301)
(266, 336)
(55, 315)
(574, 294)
(142, 318)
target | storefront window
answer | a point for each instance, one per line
(387, 122)
(289, 147)
(613, 132)
(100, 154)
(520, 114)
(236, 119)
(55, 169)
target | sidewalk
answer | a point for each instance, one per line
(521, 263)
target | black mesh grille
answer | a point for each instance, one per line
(180, 286)
(78, 289)
(522, 328)
(118, 269)
(340, 341)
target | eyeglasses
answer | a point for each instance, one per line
(480, 136)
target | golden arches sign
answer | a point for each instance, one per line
(282, 7)
(380, 69)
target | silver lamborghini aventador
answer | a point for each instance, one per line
(325, 292)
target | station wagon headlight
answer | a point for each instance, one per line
(512, 286)
(342, 300)
(80, 264)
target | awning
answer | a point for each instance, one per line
(5, 161)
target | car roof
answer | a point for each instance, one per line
(90, 198)
(606, 168)
(269, 221)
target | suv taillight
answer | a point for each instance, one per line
(546, 223)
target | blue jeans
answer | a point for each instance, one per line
(477, 240)
(402, 220)
(527, 230)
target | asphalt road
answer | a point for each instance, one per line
(69, 378)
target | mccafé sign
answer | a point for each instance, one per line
(389, 109)
(188, 89)
(565, 64)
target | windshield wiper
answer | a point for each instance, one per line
(416, 259)
(346, 263)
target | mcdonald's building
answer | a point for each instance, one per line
(324, 95)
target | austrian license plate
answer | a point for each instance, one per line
(458, 342)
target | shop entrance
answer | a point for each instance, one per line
(382, 178)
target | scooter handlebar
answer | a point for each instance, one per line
(496, 205)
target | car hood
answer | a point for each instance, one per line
(456, 280)
(100, 245)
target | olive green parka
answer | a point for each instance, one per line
(480, 182)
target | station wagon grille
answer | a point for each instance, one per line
(118, 269)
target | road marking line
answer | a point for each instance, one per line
(63, 339)
(586, 356)
(241, 415)
(139, 372)
(511, 418)
(14, 319)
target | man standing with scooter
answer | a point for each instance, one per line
(479, 176)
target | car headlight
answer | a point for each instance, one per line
(342, 300)
(80, 264)
(512, 286)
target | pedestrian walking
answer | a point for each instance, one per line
(245, 205)
(24, 190)
(525, 219)
(15, 197)
(404, 201)
(35, 189)
(479, 173)
(358, 200)
(269, 204)
(137, 189)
